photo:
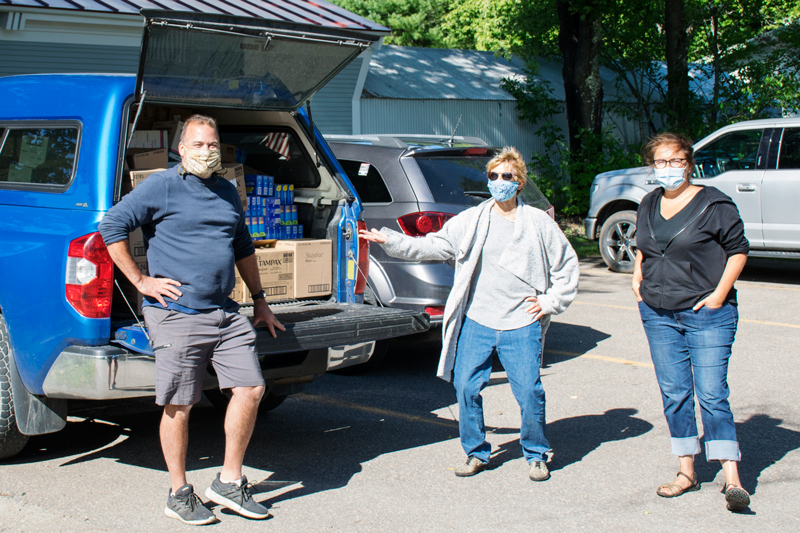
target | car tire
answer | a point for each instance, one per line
(220, 400)
(618, 241)
(11, 440)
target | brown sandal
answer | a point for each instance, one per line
(738, 499)
(680, 490)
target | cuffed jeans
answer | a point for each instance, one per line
(690, 352)
(520, 351)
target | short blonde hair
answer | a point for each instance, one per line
(511, 156)
(199, 119)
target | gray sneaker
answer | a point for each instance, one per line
(236, 498)
(539, 471)
(187, 507)
(471, 467)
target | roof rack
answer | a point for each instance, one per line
(403, 141)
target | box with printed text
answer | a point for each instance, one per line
(312, 268)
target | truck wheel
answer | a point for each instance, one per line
(618, 241)
(11, 440)
(220, 400)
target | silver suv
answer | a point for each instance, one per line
(414, 184)
(756, 163)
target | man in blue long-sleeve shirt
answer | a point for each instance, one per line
(193, 223)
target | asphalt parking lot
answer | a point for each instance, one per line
(375, 453)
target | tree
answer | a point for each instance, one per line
(413, 22)
(677, 55)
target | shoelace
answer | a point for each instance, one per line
(245, 489)
(192, 501)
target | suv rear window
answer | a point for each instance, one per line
(37, 156)
(450, 178)
(368, 182)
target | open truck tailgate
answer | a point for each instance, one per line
(312, 325)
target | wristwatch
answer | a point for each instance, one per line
(260, 295)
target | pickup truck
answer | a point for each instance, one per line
(63, 141)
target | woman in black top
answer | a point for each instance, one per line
(691, 249)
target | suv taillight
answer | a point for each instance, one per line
(363, 260)
(419, 224)
(90, 275)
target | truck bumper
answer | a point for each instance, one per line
(590, 227)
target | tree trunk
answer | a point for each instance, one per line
(677, 65)
(579, 40)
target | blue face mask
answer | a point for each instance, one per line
(670, 178)
(503, 190)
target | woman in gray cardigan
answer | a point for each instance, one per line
(513, 268)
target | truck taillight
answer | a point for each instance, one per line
(363, 260)
(420, 224)
(90, 276)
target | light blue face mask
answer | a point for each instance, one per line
(503, 190)
(670, 178)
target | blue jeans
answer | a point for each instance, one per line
(690, 352)
(520, 351)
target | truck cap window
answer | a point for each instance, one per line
(37, 156)
(274, 152)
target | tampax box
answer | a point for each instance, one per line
(312, 266)
(276, 270)
(144, 159)
(234, 172)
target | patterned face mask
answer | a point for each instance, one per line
(503, 190)
(202, 163)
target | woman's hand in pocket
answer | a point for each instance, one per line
(712, 301)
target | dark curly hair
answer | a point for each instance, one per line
(678, 140)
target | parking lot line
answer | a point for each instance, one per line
(600, 358)
(748, 320)
(377, 411)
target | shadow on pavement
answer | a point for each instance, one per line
(760, 269)
(762, 442)
(572, 439)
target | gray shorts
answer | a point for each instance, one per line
(183, 345)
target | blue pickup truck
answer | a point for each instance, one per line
(63, 141)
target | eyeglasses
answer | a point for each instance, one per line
(674, 163)
(508, 176)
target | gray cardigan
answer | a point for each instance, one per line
(539, 255)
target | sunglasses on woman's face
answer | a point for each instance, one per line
(508, 176)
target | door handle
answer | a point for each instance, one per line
(746, 187)
(651, 182)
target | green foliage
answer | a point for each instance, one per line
(483, 25)
(413, 22)
(564, 176)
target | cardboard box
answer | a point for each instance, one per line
(144, 159)
(138, 248)
(135, 177)
(311, 267)
(275, 268)
(228, 152)
(149, 139)
(126, 289)
(239, 290)
(173, 129)
(234, 172)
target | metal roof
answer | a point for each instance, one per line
(408, 73)
(315, 12)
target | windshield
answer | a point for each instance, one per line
(449, 178)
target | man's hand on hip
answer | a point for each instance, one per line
(159, 287)
(262, 313)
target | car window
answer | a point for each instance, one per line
(737, 150)
(273, 152)
(367, 180)
(38, 156)
(790, 149)
(450, 178)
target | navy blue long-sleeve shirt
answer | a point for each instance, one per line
(194, 230)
